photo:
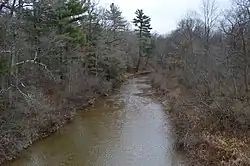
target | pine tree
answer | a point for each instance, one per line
(68, 16)
(116, 24)
(142, 22)
(114, 15)
(56, 22)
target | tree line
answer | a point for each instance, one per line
(57, 56)
(208, 53)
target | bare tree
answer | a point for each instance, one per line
(210, 14)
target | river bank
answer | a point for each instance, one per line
(127, 128)
(199, 133)
(55, 114)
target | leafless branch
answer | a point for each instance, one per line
(34, 61)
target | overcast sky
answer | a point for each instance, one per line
(165, 14)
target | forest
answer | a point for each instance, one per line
(58, 56)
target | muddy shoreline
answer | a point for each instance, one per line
(130, 125)
(63, 120)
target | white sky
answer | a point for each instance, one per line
(165, 14)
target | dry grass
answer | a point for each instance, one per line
(205, 137)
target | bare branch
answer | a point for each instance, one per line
(34, 61)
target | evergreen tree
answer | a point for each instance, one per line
(114, 16)
(62, 15)
(116, 24)
(68, 16)
(142, 22)
(55, 22)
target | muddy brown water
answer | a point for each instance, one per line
(126, 129)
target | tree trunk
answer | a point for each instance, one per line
(245, 60)
(235, 87)
(140, 51)
(146, 62)
(138, 63)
